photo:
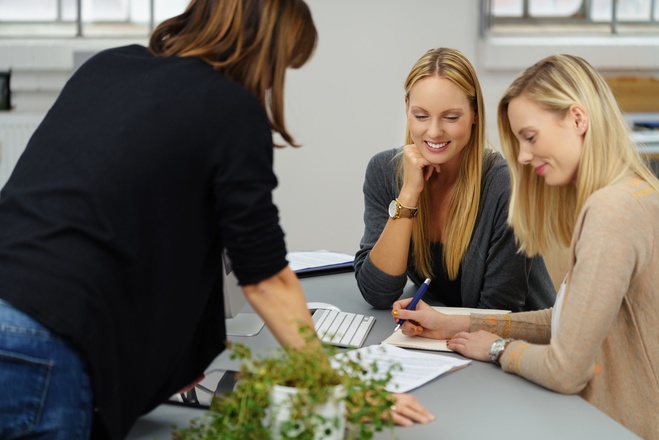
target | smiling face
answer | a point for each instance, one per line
(440, 119)
(550, 143)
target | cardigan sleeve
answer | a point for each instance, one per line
(533, 326)
(607, 246)
(378, 288)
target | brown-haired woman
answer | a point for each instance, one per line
(151, 162)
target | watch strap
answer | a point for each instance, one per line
(405, 211)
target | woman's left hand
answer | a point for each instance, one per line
(407, 411)
(473, 345)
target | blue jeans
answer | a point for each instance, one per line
(45, 391)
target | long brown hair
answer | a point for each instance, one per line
(464, 198)
(252, 42)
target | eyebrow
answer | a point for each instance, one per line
(455, 110)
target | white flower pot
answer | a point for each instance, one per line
(328, 418)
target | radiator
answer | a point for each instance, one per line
(15, 130)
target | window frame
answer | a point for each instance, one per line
(579, 21)
(78, 22)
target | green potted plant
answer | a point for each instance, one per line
(253, 409)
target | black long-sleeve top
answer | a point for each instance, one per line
(113, 222)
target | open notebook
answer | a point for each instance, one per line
(400, 340)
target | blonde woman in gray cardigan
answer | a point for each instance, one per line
(458, 190)
(578, 179)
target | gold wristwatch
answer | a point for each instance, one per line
(398, 210)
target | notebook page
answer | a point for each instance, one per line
(400, 340)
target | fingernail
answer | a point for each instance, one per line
(395, 313)
(419, 329)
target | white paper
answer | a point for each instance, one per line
(417, 368)
(317, 259)
(400, 340)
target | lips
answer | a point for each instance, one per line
(539, 170)
(436, 146)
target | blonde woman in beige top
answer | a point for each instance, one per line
(577, 179)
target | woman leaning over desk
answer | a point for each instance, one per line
(576, 176)
(112, 225)
(437, 207)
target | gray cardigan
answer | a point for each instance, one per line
(493, 274)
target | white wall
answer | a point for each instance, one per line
(347, 103)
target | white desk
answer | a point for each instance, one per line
(479, 401)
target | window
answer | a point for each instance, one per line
(583, 16)
(84, 18)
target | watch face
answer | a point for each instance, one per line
(393, 209)
(495, 350)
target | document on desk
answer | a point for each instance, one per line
(400, 340)
(317, 261)
(416, 368)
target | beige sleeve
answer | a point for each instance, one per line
(533, 327)
(607, 245)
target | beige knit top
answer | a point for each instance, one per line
(607, 345)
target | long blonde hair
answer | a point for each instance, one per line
(252, 42)
(543, 215)
(464, 198)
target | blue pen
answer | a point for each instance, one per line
(417, 296)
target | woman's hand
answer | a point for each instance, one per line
(473, 345)
(192, 385)
(407, 411)
(427, 322)
(416, 172)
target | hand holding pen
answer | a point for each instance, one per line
(417, 297)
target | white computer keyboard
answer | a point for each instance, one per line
(342, 329)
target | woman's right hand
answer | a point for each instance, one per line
(428, 322)
(407, 411)
(416, 171)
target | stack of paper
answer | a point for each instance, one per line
(416, 368)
